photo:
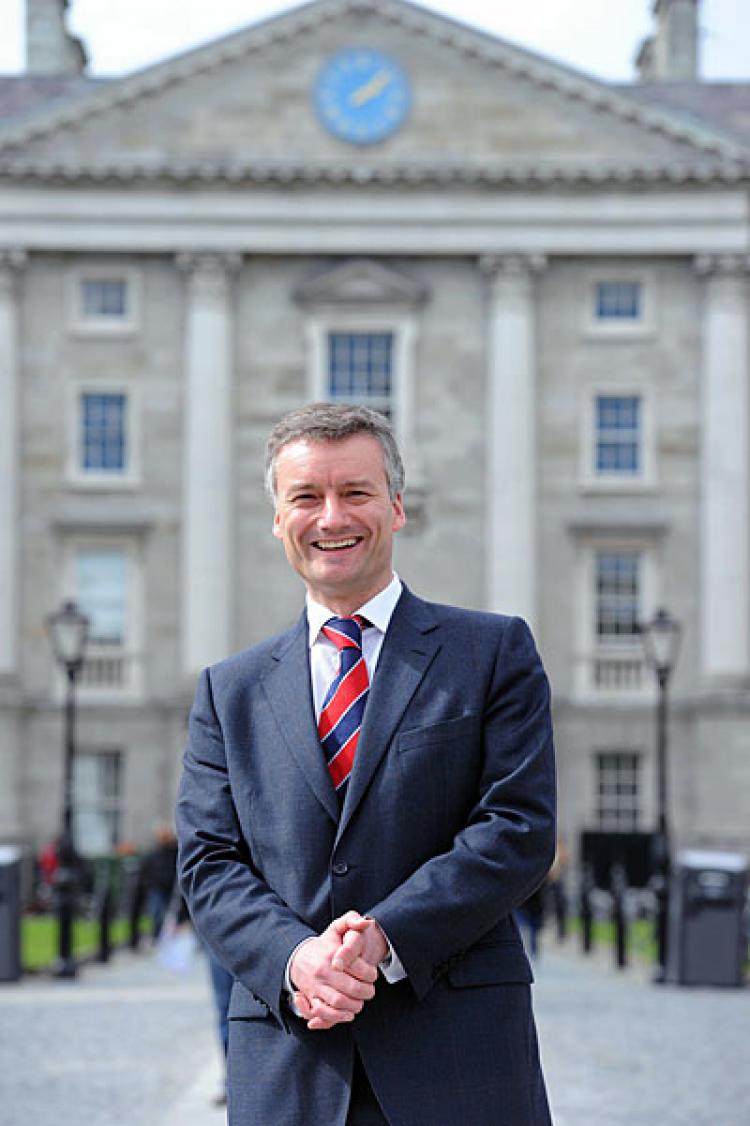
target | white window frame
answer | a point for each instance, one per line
(616, 670)
(594, 480)
(101, 479)
(104, 326)
(103, 805)
(403, 327)
(131, 654)
(617, 328)
(616, 824)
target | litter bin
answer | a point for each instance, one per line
(10, 913)
(706, 940)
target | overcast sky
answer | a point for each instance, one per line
(598, 36)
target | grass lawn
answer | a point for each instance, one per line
(641, 940)
(39, 939)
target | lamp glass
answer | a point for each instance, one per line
(661, 640)
(68, 629)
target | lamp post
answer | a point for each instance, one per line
(68, 630)
(661, 642)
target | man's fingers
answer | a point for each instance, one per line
(351, 921)
(326, 1016)
(303, 1006)
(352, 946)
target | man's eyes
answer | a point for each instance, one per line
(309, 498)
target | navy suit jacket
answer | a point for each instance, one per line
(447, 826)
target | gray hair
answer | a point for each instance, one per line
(331, 422)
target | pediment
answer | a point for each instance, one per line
(360, 281)
(241, 109)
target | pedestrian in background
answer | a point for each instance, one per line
(157, 876)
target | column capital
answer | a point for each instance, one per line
(511, 276)
(12, 261)
(209, 274)
(722, 265)
(511, 265)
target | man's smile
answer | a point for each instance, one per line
(336, 545)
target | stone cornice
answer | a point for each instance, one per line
(415, 174)
(482, 48)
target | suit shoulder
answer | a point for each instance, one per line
(476, 620)
(251, 660)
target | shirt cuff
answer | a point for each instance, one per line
(391, 967)
(288, 987)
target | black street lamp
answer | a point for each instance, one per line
(68, 630)
(661, 642)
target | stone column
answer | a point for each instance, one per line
(725, 470)
(207, 532)
(512, 503)
(10, 263)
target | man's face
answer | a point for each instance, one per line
(336, 519)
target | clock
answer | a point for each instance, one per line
(361, 95)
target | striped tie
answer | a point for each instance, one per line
(344, 706)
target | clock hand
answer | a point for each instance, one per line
(371, 89)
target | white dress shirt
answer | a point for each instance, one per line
(324, 667)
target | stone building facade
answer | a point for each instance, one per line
(540, 277)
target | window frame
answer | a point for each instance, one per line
(615, 823)
(592, 656)
(590, 478)
(103, 479)
(403, 327)
(624, 328)
(131, 652)
(103, 804)
(104, 326)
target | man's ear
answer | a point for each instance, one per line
(276, 526)
(399, 513)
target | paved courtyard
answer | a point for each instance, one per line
(132, 1044)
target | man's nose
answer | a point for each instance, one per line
(333, 512)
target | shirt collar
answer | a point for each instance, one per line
(378, 610)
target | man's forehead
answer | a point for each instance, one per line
(360, 445)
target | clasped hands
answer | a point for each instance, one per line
(334, 974)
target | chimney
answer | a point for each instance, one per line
(50, 48)
(671, 55)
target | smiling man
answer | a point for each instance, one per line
(365, 800)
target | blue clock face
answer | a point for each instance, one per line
(362, 96)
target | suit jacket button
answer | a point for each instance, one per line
(340, 868)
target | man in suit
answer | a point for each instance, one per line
(365, 800)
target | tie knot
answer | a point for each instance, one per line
(345, 633)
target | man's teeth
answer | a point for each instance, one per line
(334, 545)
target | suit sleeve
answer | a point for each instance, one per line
(227, 898)
(504, 851)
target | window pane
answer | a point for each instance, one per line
(617, 594)
(360, 368)
(98, 794)
(618, 300)
(103, 432)
(618, 790)
(618, 434)
(104, 297)
(101, 585)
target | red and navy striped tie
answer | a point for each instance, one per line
(344, 705)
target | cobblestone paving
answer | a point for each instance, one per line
(128, 1044)
(620, 1051)
(132, 1044)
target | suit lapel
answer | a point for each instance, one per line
(409, 648)
(287, 688)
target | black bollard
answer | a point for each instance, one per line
(618, 885)
(105, 922)
(587, 913)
